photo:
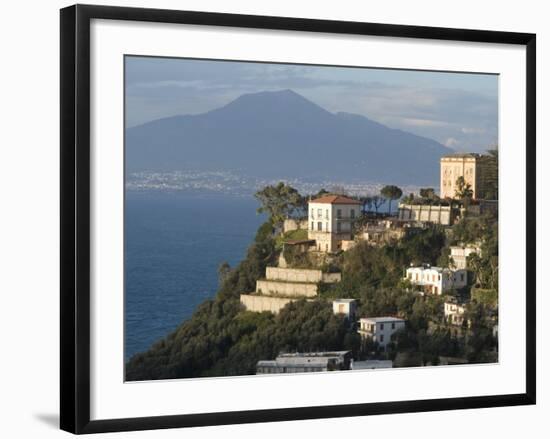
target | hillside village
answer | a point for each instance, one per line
(311, 251)
(335, 282)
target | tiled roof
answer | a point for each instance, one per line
(335, 199)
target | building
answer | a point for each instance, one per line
(460, 253)
(436, 280)
(371, 364)
(306, 362)
(479, 171)
(347, 307)
(330, 221)
(426, 213)
(380, 329)
(382, 232)
(454, 312)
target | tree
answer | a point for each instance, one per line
(321, 193)
(391, 192)
(488, 177)
(427, 192)
(409, 199)
(378, 201)
(463, 190)
(280, 201)
(367, 203)
(338, 190)
(224, 270)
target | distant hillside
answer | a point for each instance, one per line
(282, 134)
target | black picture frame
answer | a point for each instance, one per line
(75, 217)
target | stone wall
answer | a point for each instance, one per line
(294, 224)
(300, 275)
(259, 303)
(286, 289)
(328, 242)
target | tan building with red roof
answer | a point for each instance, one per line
(330, 221)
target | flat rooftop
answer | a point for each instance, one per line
(382, 319)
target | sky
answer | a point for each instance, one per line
(459, 110)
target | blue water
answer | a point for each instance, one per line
(175, 243)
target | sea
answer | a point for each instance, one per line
(174, 244)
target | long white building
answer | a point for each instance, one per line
(436, 280)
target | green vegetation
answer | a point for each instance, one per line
(292, 235)
(464, 190)
(489, 176)
(222, 339)
(280, 201)
(487, 297)
(391, 192)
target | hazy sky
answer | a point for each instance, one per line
(458, 110)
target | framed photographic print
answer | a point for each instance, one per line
(274, 218)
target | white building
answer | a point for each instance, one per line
(380, 329)
(306, 362)
(454, 313)
(460, 253)
(436, 280)
(330, 221)
(371, 364)
(345, 306)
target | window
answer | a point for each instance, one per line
(319, 226)
(382, 338)
(462, 277)
(326, 214)
(352, 213)
(312, 214)
(381, 326)
(393, 325)
(338, 227)
(326, 227)
(319, 213)
(339, 213)
(312, 225)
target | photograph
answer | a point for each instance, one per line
(296, 218)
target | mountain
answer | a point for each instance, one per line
(282, 134)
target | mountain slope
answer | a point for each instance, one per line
(282, 134)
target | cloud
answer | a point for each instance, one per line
(424, 123)
(451, 142)
(472, 130)
(441, 106)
